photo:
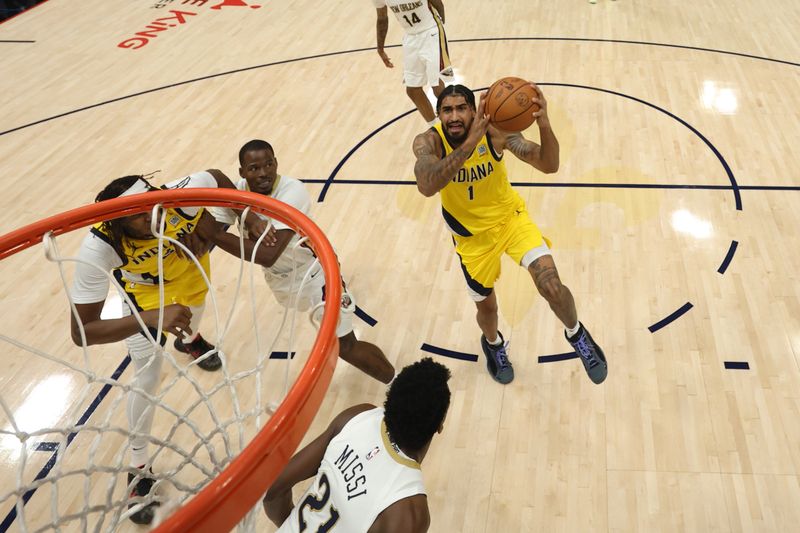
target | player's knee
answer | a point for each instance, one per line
(346, 345)
(487, 307)
(552, 290)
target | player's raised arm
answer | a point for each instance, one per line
(544, 157)
(431, 176)
(433, 172)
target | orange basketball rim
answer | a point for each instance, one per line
(238, 488)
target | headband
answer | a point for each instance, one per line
(139, 186)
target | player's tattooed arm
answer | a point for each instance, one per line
(521, 147)
(434, 173)
(544, 157)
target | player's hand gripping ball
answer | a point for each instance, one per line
(510, 104)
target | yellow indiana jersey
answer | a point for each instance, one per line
(479, 197)
(138, 274)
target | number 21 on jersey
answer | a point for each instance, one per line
(317, 503)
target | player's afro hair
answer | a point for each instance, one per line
(417, 403)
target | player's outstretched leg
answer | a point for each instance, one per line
(140, 412)
(592, 356)
(495, 347)
(366, 357)
(549, 285)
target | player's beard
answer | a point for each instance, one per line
(455, 141)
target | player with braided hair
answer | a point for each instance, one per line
(127, 247)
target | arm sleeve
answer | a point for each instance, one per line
(224, 215)
(197, 180)
(91, 283)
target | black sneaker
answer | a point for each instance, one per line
(497, 362)
(140, 490)
(198, 348)
(591, 355)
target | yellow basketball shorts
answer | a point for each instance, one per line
(480, 254)
(189, 288)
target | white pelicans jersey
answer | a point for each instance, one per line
(361, 474)
(415, 16)
(290, 191)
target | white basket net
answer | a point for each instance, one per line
(64, 433)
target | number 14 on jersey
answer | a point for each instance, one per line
(414, 19)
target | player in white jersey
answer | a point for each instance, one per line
(259, 172)
(426, 59)
(367, 463)
(127, 247)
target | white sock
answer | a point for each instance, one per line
(432, 123)
(495, 342)
(139, 456)
(194, 323)
(140, 411)
(572, 331)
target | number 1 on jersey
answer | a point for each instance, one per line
(471, 192)
(414, 19)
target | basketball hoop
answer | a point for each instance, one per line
(238, 479)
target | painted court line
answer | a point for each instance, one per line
(12, 514)
(728, 257)
(557, 357)
(737, 365)
(449, 353)
(671, 318)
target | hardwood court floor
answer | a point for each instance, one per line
(674, 210)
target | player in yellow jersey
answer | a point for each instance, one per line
(127, 247)
(461, 158)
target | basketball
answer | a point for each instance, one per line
(509, 104)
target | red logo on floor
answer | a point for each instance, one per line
(234, 3)
(178, 17)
